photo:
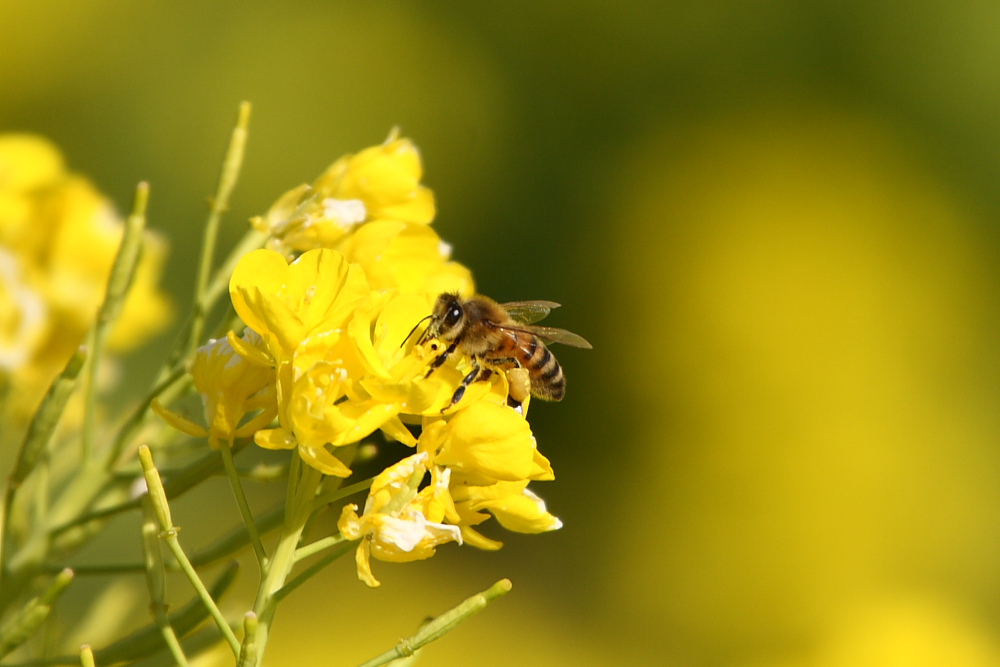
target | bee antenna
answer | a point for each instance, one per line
(413, 330)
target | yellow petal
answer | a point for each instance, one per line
(349, 524)
(396, 430)
(326, 289)
(318, 419)
(522, 513)
(405, 256)
(541, 469)
(251, 353)
(284, 303)
(476, 539)
(386, 178)
(362, 558)
(324, 461)
(257, 281)
(257, 423)
(28, 162)
(175, 420)
(275, 438)
(488, 442)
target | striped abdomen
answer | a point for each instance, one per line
(525, 350)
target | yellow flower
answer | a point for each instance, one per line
(379, 183)
(515, 506)
(285, 303)
(387, 371)
(399, 523)
(24, 315)
(315, 412)
(336, 346)
(297, 309)
(59, 238)
(28, 163)
(347, 362)
(492, 455)
(486, 443)
(385, 179)
(407, 257)
(231, 388)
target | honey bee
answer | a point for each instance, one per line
(500, 337)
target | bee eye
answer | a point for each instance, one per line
(453, 316)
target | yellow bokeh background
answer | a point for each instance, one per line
(776, 223)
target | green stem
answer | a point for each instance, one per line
(22, 625)
(89, 477)
(220, 203)
(225, 546)
(167, 389)
(38, 439)
(297, 513)
(156, 574)
(170, 537)
(442, 625)
(341, 547)
(118, 283)
(317, 546)
(170, 637)
(241, 500)
(162, 510)
(180, 482)
(343, 492)
(149, 639)
(248, 651)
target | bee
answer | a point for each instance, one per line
(500, 337)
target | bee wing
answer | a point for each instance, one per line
(553, 335)
(527, 312)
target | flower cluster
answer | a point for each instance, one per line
(333, 329)
(58, 239)
(372, 209)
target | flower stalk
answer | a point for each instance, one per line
(442, 625)
(161, 509)
(297, 513)
(241, 500)
(118, 285)
(231, 165)
(24, 623)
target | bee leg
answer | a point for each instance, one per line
(466, 381)
(441, 358)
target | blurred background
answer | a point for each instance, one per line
(777, 223)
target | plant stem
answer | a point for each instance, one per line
(39, 438)
(220, 203)
(162, 510)
(297, 512)
(343, 492)
(241, 500)
(317, 546)
(118, 283)
(166, 390)
(17, 629)
(340, 547)
(442, 625)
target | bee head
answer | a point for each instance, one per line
(447, 318)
